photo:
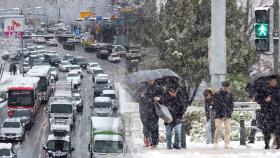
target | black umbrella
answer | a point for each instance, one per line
(143, 76)
(167, 73)
(259, 81)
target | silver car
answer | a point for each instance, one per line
(12, 129)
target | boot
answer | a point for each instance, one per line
(267, 146)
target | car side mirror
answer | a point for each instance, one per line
(14, 155)
(72, 149)
(45, 147)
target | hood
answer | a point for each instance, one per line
(11, 130)
(58, 153)
(102, 111)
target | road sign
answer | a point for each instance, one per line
(99, 18)
(77, 31)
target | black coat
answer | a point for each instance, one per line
(177, 106)
(146, 103)
(223, 104)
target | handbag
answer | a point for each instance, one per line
(163, 112)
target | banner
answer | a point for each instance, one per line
(14, 27)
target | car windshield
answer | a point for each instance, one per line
(98, 72)
(108, 146)
(75, 68)
(73, 75)
(81, 59)
(5, 152)
(69, 57)
(115, 55)
(25, 65)
(77, 98)
(65, 63)
(11, 125)
(54, 57)
(112, 96)
(58, 145)
(61, 108)
(20, 98)
(102, 104)
(52, 69)
(21, 113)
(119, 48)
(94, 65)
(102, 82)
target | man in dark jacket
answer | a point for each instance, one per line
(223, 106)
(268, 115)
(176, 103)
(148, 114)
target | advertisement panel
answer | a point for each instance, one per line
(14, 27)
(85, 14)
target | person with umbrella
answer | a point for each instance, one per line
(268, 98)
(149, 118)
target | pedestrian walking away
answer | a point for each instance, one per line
(223, 104)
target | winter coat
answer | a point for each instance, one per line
(209, 111)
(177, 106)
(269, 110)
(223, 104)
(146, 103)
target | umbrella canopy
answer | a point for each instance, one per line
(262, 77)
(143, 76)
(167, 73)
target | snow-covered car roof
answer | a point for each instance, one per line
(107, 137)
(6, 145)
(107, 123)
(102, 76)
(93, 64)
(109, 92)
(75, 66)
(102, 99)
(77, 95)
(60, 100)
(38, 71)
(12, 120)
(64, 138)
(73, 72)
(96, 68)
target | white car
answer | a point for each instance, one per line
(52, 42)
(74, 77)
(40, 40)
(113, 95)
(64, 66)
(91, 66)
(12, 129)
(54, 72)
(7, 150)
(40, 47)
(76, 68)
(78, 102)
(114, 58)
(119, 49)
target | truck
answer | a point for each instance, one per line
(59, 142)
(133, 58)
(107, 137)
(61, 109)
(101, 83)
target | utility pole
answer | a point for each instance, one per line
(217, 43)
(275, 33)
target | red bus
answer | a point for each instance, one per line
(24, 95)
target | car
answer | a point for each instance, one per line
(77, 68)
(26, 117)
(69, 57)
(52, 42)
(54, 73)
(41, 56)
(31, 48)
(36, 62)
(81, 61)
(25, 67)
(40, 40)
(74, 77)
(113, 95)
(12, 129)
(114, 58)
(93, 47)
(40, 47)
(119, 49)
(14, 57)
(103, 54)
(102, 106)
(96, 71)
(91, 66)
(78, 102)
(101, 83)
(7, 150)
(34, 52)
(64, 66)
(54, 60)
(68, 45)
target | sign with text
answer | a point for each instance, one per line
(14, 27)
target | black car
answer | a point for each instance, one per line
(81, 61)
(69, 45)
(92, 48)
(54, 60)
(26, 117)
(103, 54)
(69, 58)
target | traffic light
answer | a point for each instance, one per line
(261, 28)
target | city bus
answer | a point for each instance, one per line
(44, 87)
(23, 95)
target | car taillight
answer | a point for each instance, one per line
(10, 113)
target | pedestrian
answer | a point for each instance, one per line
(210, 115)
(268, 98)
(14, 69)
(176, 103)
(223, 104)
(11, 68)
(148, 114)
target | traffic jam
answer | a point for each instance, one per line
(48, 81)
